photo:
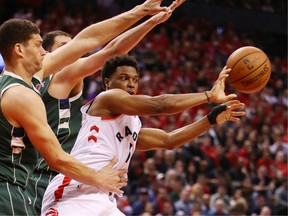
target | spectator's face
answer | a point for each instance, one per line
(265, 211)
(168, 208)
(280, 156)
(222, 190)
(149, 207)
(162, 193)
(219, 205)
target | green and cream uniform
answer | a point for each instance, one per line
(17, 158)
(64, 117)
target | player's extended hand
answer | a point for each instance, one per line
(151, 7)
(217, 93)
(231, 113)
(164, 15)
(175, 4)
(112, 179)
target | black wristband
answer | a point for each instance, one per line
(215, 112)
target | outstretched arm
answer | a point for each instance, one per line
(96, 35)
(162, 104)
(71, 75)
(151, 139)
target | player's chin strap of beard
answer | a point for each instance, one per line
(215, 112)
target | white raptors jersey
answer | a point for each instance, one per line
(99, 140)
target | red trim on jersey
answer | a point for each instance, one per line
(110, 117)
(52, 212)
(59, 192)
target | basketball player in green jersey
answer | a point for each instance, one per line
(23, 122)
(62, 92)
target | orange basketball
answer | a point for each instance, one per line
(251, 69)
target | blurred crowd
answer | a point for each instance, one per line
(232, 169)
(269, 6)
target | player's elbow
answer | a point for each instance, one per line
(166, 143)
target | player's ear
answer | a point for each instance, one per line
(18, 49)
(106, 83)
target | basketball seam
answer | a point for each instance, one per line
(250, 72)
(244, 57)
(260, 84)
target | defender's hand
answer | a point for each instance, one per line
(113, 180)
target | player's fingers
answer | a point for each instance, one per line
(176, 4)
(241, 113)
(237, 106)
(234, 119)
(173, 5)
(122, 184)
(225, 70)
(112, 162)
(123, 179)
(122, 172)
(229, 98)
(223, 76)
(234, 104)
(117, 191)
(231, 102)
(237, 113)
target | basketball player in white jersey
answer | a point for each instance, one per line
(111, 127)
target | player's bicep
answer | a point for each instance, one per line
(151, 139)
(28, 112)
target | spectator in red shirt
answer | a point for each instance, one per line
(281, 166)
(267, 161)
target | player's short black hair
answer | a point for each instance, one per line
(15, 31)
(49, 38)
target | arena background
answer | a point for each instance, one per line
(234, 169)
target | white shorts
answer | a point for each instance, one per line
(77, 199)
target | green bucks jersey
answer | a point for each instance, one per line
(17, 155)
(64, 117)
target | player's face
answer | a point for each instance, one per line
(60, 41)
(125, 78)
(32, 53)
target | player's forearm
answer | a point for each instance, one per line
(48, 146)
(171, 104)
(100, 33)
(129, 39)
(153, 139)
(185, 134)
(74, 169)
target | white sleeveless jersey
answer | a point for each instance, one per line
(99, 140)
